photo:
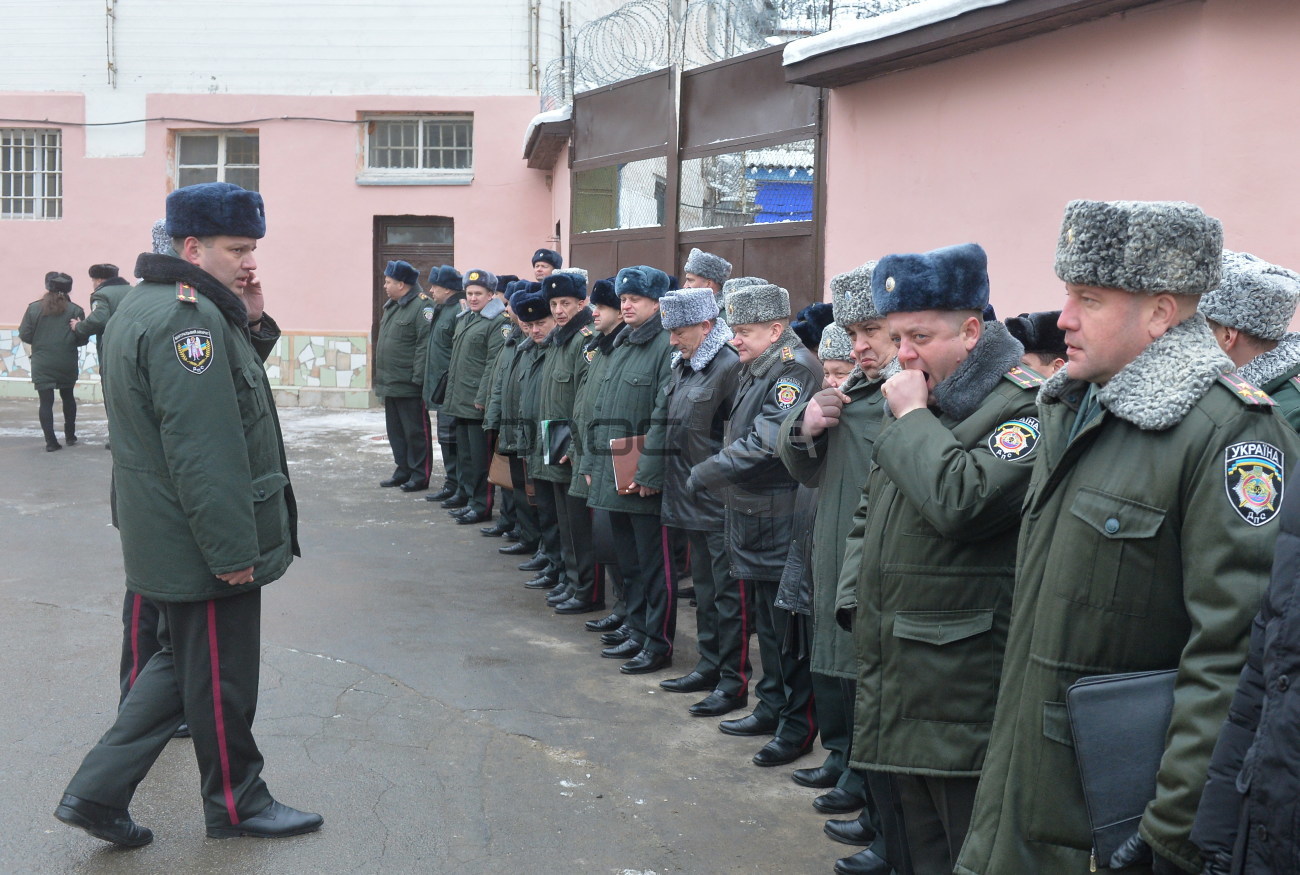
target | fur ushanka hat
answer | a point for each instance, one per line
(851, 296)
(643, 280)
(529, 304)
(548, 256)
(757, 303)
(707, 266)
(212, 209)
(1038, 333)
(687, 307)
(809, 323)
(951, 278)
(836, 345)
(446, 277)
(1253, 296)
(603, 294)
(56, 281)
(571, 283)
(402, 271)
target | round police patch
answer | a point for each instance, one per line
(1014, 439)
(591, 355)
(787, 393)
(193, 349)
(428, 314)
(505, 332)
(1253, 476)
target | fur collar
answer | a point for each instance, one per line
(493, 309)
(167, 269)
(962, 392)
(712, 344)
(1267, 367)
(642, 334)
(561, 334)
(603, 343)
(857, 378)
(770, 356)
(1161, 386)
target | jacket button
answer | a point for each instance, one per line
(1283, 683)
(1112, 526)
(261, 493)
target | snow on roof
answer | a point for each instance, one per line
(563, 114)
(881, 26)
(779, 158)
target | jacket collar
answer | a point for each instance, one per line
(710, 346)
(562, 334)
(168, 269)
(456, 298)
(1160, 387)
(962, 392)
(642, 334)
(856, 378)
(113, 281)
(603, 343)
(783, 348)
(404, 300)
(1267, 367)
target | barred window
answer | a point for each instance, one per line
(218, 157)
(420, 144)
(31, 173)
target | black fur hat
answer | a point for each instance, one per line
(212, 209)
(1038, 333)
(602, 292)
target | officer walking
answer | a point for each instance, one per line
(399, 375)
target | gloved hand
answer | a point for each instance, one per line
(1135, 851)
(1219, 864)
(844, 618)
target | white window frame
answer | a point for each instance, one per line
(45, 186)
(368, 175)
(221, 164)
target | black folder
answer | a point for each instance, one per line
(1119, 722)
(556, 435)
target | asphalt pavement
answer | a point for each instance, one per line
(439, 716)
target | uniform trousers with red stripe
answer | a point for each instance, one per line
(785, 691)
(139, 639)
(207, 674)
(724, 615)
(407, 423)
(648, 586)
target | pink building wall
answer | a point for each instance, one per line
(1190, 101)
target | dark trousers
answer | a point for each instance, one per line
(884, 814)
(46, 414)
(472, 463)
(508, 517)
(575, 539)
(724, 615)
(407, 422)
(936, 816)
(548, 526)
(785, 690)
(648, 584)
(834, 701)
(447, 445)
(139, 638)
(525, 510)
(206, 674)
(606, 555)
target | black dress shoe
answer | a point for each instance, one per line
(558, 594)
(182, 731)
(455, 501)
(49, 448)
(628, 649)
(544, 580)
(469, 519)
(272, 822)
(446, 492)
(617, 636)
(458, 512)
(537, 563)
(576, 605)
(689, 683)
(850, 832)
(646, 662)
(838, 801)
(820, 778)
(778, 752)
(717, 703)
(747, 725)
(518, 548)
(496, 531)
(391, 481)
(415, 485)
(110, 824)
(864, 862)
(514, 535)
(607, 623)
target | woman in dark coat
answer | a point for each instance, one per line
(46, 326)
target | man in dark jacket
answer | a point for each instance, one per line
(700, 395)
(776, 370)
(206, 514)
(109, 291)
(447, 293)
(399, 375)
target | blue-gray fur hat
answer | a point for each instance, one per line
(402, 271)
(446, 277)
(484, 278)
(1140, 246)
(571, 283)
(505, 279)
(687, 307)
(550, 256)
(528, 303)
(951, 278)
(602, 293)
(707, 266)
(851, 296)
(643, 280)
(809, 323)
(836, 346)
(1254, 296)
(757, 303)
(210, 209)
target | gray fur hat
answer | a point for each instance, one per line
(162, 241)
(1140, 246)
(687, 307)
(707, 266)
(1254, 296)
(851, 296)
(836, 345)
(752, 304)
(740, 282)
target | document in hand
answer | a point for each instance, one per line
(625, 453)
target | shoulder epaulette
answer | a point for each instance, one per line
(1295, 382)
(1247, 393)
(187, 293)
(424, 296)
(1025, 378)
(585, 331)
(787, 354)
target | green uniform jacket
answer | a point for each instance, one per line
(1285, 390)
(565, 361)
(836, 462)
(437, 356)
(103, 301)
(54, 346)
(938, 527)
(479, 337)
(530, 392)
(501, 413)
(202, 486)
(630, 401)
(400, 350)
(596, 353)
(1144, 545)
(1277, 372)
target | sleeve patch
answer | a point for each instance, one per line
(1253, 477)
(193, 349)
(505, 332)
(787, 394)
(428, 314)
(1014, 439)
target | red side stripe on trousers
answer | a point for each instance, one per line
(214, 657)
(810, 715)
(744, 638)
(669, 583)
(135, 639)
